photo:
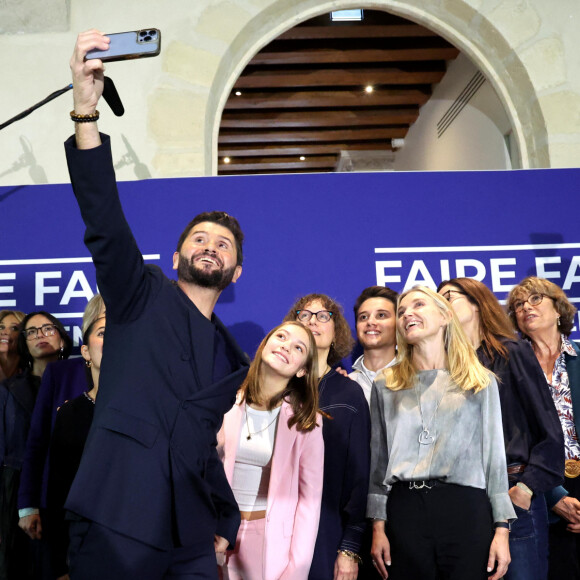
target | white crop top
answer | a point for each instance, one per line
(251, 476)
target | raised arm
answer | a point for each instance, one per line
(122, 278)
(87, 76)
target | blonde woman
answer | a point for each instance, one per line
(437, 454)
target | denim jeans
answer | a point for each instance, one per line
(529, 542)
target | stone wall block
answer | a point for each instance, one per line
(194, 65)
(176, 117)
(517, 20)
(564, 154)
(562, 112)
(223, 21)
(545, 61)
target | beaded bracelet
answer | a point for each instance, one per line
(91, 118)
(351, 555)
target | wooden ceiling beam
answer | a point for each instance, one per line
(356, 31)
(328, 135)
(266, 163)
(263, 150)
(352, 55)
(319, 99)
(259, 79)
(301, 119)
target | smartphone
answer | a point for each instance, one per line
(129, 45)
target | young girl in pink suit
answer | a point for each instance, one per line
(273, 455)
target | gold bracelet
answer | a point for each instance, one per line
(90, 118)
(351, 555)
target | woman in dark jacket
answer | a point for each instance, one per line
(346, 432)
(532, 434)
(42, 340)
(543, 314)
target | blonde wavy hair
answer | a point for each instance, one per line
(464, 367)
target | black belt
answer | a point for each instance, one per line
(422, 483)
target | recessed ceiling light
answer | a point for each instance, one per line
(227, 159)
(346, 15)
(302, 158)
(369, 89)
(238, 93)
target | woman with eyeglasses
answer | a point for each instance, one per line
(272, 448)
(543, 314)
(62, 381)
(9, 326)
(532, 433)
(42, 339)
(346, 432)
(438, 484)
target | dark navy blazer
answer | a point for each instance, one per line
(62, 380)
(17, 396)
(346, 472)
(150, 469)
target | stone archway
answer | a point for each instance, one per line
(457, 21)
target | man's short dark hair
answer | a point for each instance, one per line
(222, 219)
(375, 292)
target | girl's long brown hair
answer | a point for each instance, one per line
(300, 392)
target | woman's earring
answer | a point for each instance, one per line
(88, 363)
(61, 353)
(558, 322)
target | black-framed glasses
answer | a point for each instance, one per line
(46, 329)
(533, 300)
(306, 315)
(447, 294)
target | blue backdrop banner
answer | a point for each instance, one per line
(329, 233)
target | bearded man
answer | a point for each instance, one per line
(151, 499)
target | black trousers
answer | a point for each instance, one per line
(99, 553)
(564, 546)
(440, 533)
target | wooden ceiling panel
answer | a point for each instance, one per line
(304, 93)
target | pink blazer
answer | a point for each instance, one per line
(294, 494)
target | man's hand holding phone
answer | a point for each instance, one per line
(88, 83)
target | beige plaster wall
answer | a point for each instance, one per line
(528, 49)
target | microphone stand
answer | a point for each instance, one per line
(27, 112)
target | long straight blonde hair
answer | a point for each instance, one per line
(464, 367)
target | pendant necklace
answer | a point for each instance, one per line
(256, 432)
(425, 438)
